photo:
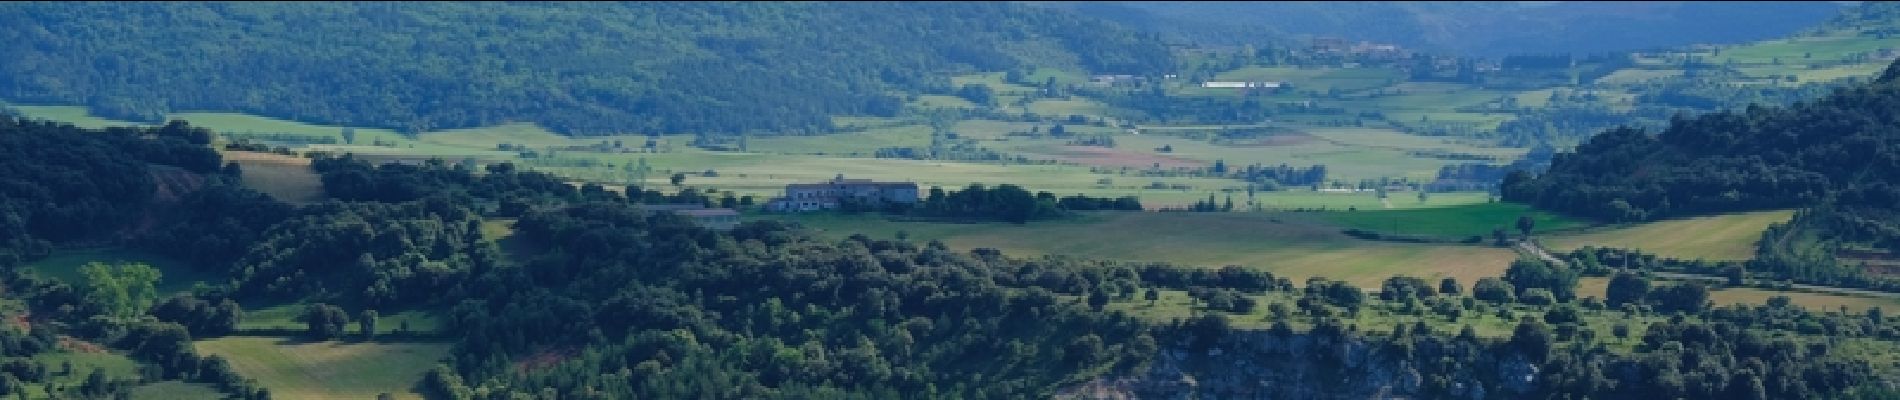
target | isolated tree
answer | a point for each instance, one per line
(324, 321)
(122, 291)
(1525, 224)
(678, 178)
(1098, 299)
(1493, 290)
(1449, 286)
(1152, 296)
(1498, 235)
(349, 135)
(1532, 338)
(1625, 288)
(367, 321)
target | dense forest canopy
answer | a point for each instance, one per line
(1477, 28)
(577, 68)
(1843, 147)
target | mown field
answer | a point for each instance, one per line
(1714, 238)
(171, 390)
(280, 317)
(286, 178)
(1275, 242)
(1455, 222)
(114, 365)
(328, 370)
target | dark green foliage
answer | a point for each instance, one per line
(203, 319)
(1842, 148)
(214, 226)
(1402, 288)
(1493, 290)
(1559, 280)
(368, 254)
(1224, 299)
(576, 68)
(662, 297)
(1449, 286)
(1688, 297)
(59, 183)
(1626, 288)
(324, 321)
(1010, 203)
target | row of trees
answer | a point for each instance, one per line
(1010, 203)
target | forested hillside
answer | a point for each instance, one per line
(62, 186)
(577, 68)
(1843, 147)
(1470, 27)
(1837, 157)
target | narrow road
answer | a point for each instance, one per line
(1538, 250)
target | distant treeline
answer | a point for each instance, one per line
(1006, 202)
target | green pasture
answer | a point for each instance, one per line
(1714, 238)
(328, 370)
(175, 275)
(1454, 222)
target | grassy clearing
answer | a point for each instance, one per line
(288, 178)
(1077, 106)
(175, 275)
(172, 390)
(1811, 301)
(1350, 154)
(1454, 222)
(76, 115)
(1596, 287)
(1628, 76)
(1260, 240)
(935, 101)
(1803, 49)
(284, 316)
(328, 370)
(116, 366)
(1718, 237)
(857, 144)
(1344, 161)
(525, 134)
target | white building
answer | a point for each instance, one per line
(1240, 85)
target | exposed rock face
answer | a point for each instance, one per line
(1265, 365)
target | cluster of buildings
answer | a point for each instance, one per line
(801, 197)
(1370, 51)
(1241, 85)
(829, 195)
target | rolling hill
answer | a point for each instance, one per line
(1475, 28)
(576, 68)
